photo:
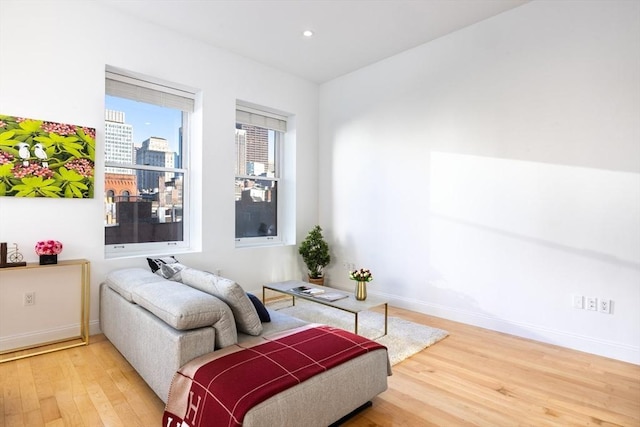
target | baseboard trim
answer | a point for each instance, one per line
(587, 344)
(31, 339)
(94, 327)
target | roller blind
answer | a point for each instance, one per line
(250, 116)
(137, 89)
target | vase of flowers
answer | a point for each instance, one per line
(48, 251)
(361, 277)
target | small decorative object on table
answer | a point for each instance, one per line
(48, 251)
(10, 257)
(361, 276)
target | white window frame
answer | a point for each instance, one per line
(264, 117)
(126, 84)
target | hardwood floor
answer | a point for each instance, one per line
(472, 377)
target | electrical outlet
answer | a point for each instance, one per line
(592, 303)
(604, 306)
(29, 298)
(349, 266)
(578, 301)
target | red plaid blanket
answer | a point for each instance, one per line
(221, 387)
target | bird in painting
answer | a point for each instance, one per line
(38, 150)
(24, 153)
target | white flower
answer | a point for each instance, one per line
(361, 275)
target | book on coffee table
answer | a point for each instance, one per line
(318, 293)
(307, 290)
(331, 296)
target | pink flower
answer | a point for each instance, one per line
(90, 131)
(83, 166)
(59, 128)
(48, 247)
(5, 157)
(33, 169)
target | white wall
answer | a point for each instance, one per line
(485, 177)
(52, 64)
(491, 174)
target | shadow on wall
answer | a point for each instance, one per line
(589, 212)
(595, 255)
(460, 307)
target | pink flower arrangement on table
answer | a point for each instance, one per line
(48, 247)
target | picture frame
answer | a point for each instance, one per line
(41, 158)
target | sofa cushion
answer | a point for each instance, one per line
(230, 292)
(123, 281)
(225, 328)
(178, 305)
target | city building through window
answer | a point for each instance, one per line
(146, 165)
(259, 140)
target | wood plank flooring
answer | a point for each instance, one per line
(473, 377)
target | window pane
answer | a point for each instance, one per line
(256, 208)
(143, 206)
(129, 124)
(256, 181)
(255, 151)
(141, 216)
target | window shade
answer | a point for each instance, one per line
(250, 116)
(150, 92)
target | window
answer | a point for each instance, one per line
(259, 140)
(146, 165)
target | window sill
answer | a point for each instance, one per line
(260, 243)
(149, 253)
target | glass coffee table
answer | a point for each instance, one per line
(347, 303)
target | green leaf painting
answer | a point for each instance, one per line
(46, 159)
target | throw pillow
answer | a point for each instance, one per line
(156, 263)
(225, 328)
(263, 314)
(245, 314)
(172, 271)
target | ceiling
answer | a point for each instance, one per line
(348, 34)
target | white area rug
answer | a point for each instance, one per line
(404, 338)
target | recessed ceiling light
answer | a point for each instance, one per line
(307, 33)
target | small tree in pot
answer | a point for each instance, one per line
(315, 254)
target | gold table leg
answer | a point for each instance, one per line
(386, 321)
(386, 311)
(356, 332)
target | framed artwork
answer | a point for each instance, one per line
(46, 159)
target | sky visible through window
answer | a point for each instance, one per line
(148, 120)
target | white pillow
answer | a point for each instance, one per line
(230, 292)
(171, 271)
(156, 263)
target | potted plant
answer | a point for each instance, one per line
(315, 254)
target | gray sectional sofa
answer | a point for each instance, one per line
(159, 324)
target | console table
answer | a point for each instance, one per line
(43, 308)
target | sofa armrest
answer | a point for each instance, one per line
(153, 348)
